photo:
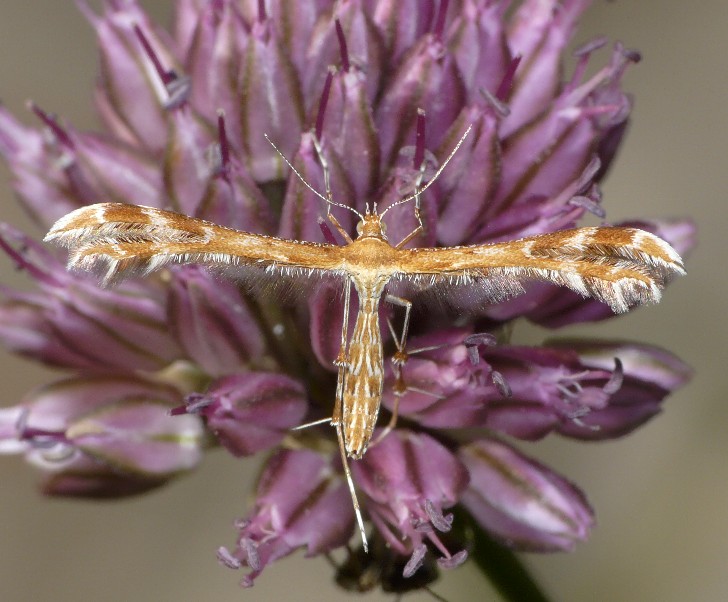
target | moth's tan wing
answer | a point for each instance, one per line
(116, 240)
(619, 266)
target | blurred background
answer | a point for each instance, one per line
(661, 495)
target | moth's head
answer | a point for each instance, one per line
(371, 226)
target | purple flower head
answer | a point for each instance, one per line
(250, 412)
(103, 436)
(183, 360)
(301, 501)
(410, 480)
(521, 502)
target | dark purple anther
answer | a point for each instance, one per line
(343, 50)
(506, 85)
(167, 76)
(322, 104)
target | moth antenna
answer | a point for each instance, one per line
(434, 178)
(306, 184)
(352, 489)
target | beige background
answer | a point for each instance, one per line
(661, 494)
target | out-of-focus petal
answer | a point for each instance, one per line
(251, 412)
(521, 502)
(213, 321)
(300, 502)
(410, 479)
(131, 96)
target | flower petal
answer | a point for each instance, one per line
(521, 502)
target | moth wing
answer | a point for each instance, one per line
(116, 240)
(618, 266)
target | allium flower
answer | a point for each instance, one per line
(164, 368)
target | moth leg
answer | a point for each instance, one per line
(416, 232)
(399, 359)
(342, 360)
(420, 226)
(352, 489)
(329, 195)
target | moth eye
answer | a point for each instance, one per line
(359, 226)
(383, 227)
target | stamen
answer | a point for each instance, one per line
(19, 256)
(583, 54)
(194, 402)
(415, 561)
(633, 56)
(506, 85)
(501, 384)
(586, 178)
(454, 560)
(326, 231)
(434, 178)
(177, 88)
(227, 559)
(615, 381)
(251, 553)
(500, 108)
(50, 121)
(318, 130)
(473, 341)
(167, 76)
(473, 354)
(42, 438)
(343, 50)
(481, 338)
(306, 184)
(572, 389)
(591, 46)
(224, 145)
(440, 521)
(439, 28)
(589, 205)
(419, 155)
(262, 14)
(422, 526)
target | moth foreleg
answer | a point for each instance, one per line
(327, 186)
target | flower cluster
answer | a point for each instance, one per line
(162, 369)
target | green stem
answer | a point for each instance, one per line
(506, 572)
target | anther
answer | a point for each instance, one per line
(419, 155)
(177, 87)
(343, 49)
(506, 85)
(615, 381)
(262, 14)
(326, 231)
(224, 144)
(439, 28)
(53, 125)
(318, 130)
(415, 561)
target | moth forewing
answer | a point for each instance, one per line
(619, 266)
(117, 240)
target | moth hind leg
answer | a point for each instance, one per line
(399, 359)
